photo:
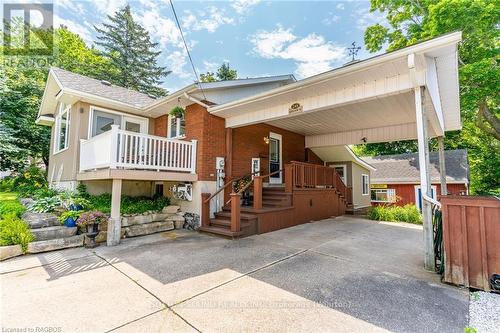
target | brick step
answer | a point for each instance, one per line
(221, 231)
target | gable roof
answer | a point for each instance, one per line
(85, 84)
(404, 168)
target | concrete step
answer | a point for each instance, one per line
(48, 233)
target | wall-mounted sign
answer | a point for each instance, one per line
(378, 185)
(295, 107)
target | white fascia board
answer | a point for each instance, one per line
(44, 96)
(45, 120)
(422, 47)
(358, 160)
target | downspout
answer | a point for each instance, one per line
(197, 101)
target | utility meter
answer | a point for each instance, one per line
(219, 163)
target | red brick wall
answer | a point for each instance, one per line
(209, 130)
(406, 192)
(248, 142)
(311, 157)
(160, 126)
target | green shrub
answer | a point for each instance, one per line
(15, 231)
(11, 207)
(6, 184)
(408, 213)
(129, 205)
(29, 181)
(45, 205)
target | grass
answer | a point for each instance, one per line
(9, 204)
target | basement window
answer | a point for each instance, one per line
(62, 128)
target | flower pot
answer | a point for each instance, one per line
(178, 224)
(92, 231)
(70, 222)
(75, 207)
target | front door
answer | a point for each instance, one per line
(136, 125)
(275, 158)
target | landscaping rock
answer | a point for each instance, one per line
(42, 234)
(149, 228)
(26, 202)
(175, 218)
(55, 244)
(192, 221)
(40, 220)
(102, 236)
(156, 217)
(10, 251)
(139, 219)
(171, 209)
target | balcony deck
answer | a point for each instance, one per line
(120, 154)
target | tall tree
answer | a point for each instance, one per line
(132, 53)
(410, 22)
(21, 90)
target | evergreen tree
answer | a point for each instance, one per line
(132, 53)
(226, 73)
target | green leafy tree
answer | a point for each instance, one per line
(410, 22)
(21, 90)
(224, 73)
(207, 77)
(129, 47)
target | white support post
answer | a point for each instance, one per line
(425, 184)
(193, 155)
(114, 146)
(442, 166)
(115, 222)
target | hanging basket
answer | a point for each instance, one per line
(177, 112)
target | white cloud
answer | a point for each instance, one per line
(364, 18)
(75, 7)
(243, 6)
(211, 19)
(108, 7)
(82, 31)
(312, 54)
(176, 62)
(210, 66)
(330, 19)
(340, 6)
(162, 30)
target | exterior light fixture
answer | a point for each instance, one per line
(266, 140)
(364, 139)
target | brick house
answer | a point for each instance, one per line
(395, 179)
(289, 138)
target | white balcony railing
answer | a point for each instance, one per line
(129, 150)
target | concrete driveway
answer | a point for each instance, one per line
(345, 274)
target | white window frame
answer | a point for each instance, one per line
(393, 190)
(344, 166)
(62, 111)
(123, 117)
(177, 127)
(363, 177)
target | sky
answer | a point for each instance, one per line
(257, 38)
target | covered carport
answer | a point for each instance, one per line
(412, 93)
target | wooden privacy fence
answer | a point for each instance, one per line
(471, 236)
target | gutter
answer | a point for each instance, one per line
(197, 101)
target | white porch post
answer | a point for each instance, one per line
(442, 166)
(425, 184)
(115, 222)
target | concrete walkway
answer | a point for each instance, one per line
(338, 275)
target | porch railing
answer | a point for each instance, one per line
(129, 150)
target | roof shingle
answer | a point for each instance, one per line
(405, 167)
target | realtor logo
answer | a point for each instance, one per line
(28, 29)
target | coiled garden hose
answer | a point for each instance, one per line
(438, 241)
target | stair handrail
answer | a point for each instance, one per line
(229, 183)
(263, 177)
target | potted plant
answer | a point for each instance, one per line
(78, 203)
(177, 112)
(69, 218)
(91, 220)
(240, 185)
